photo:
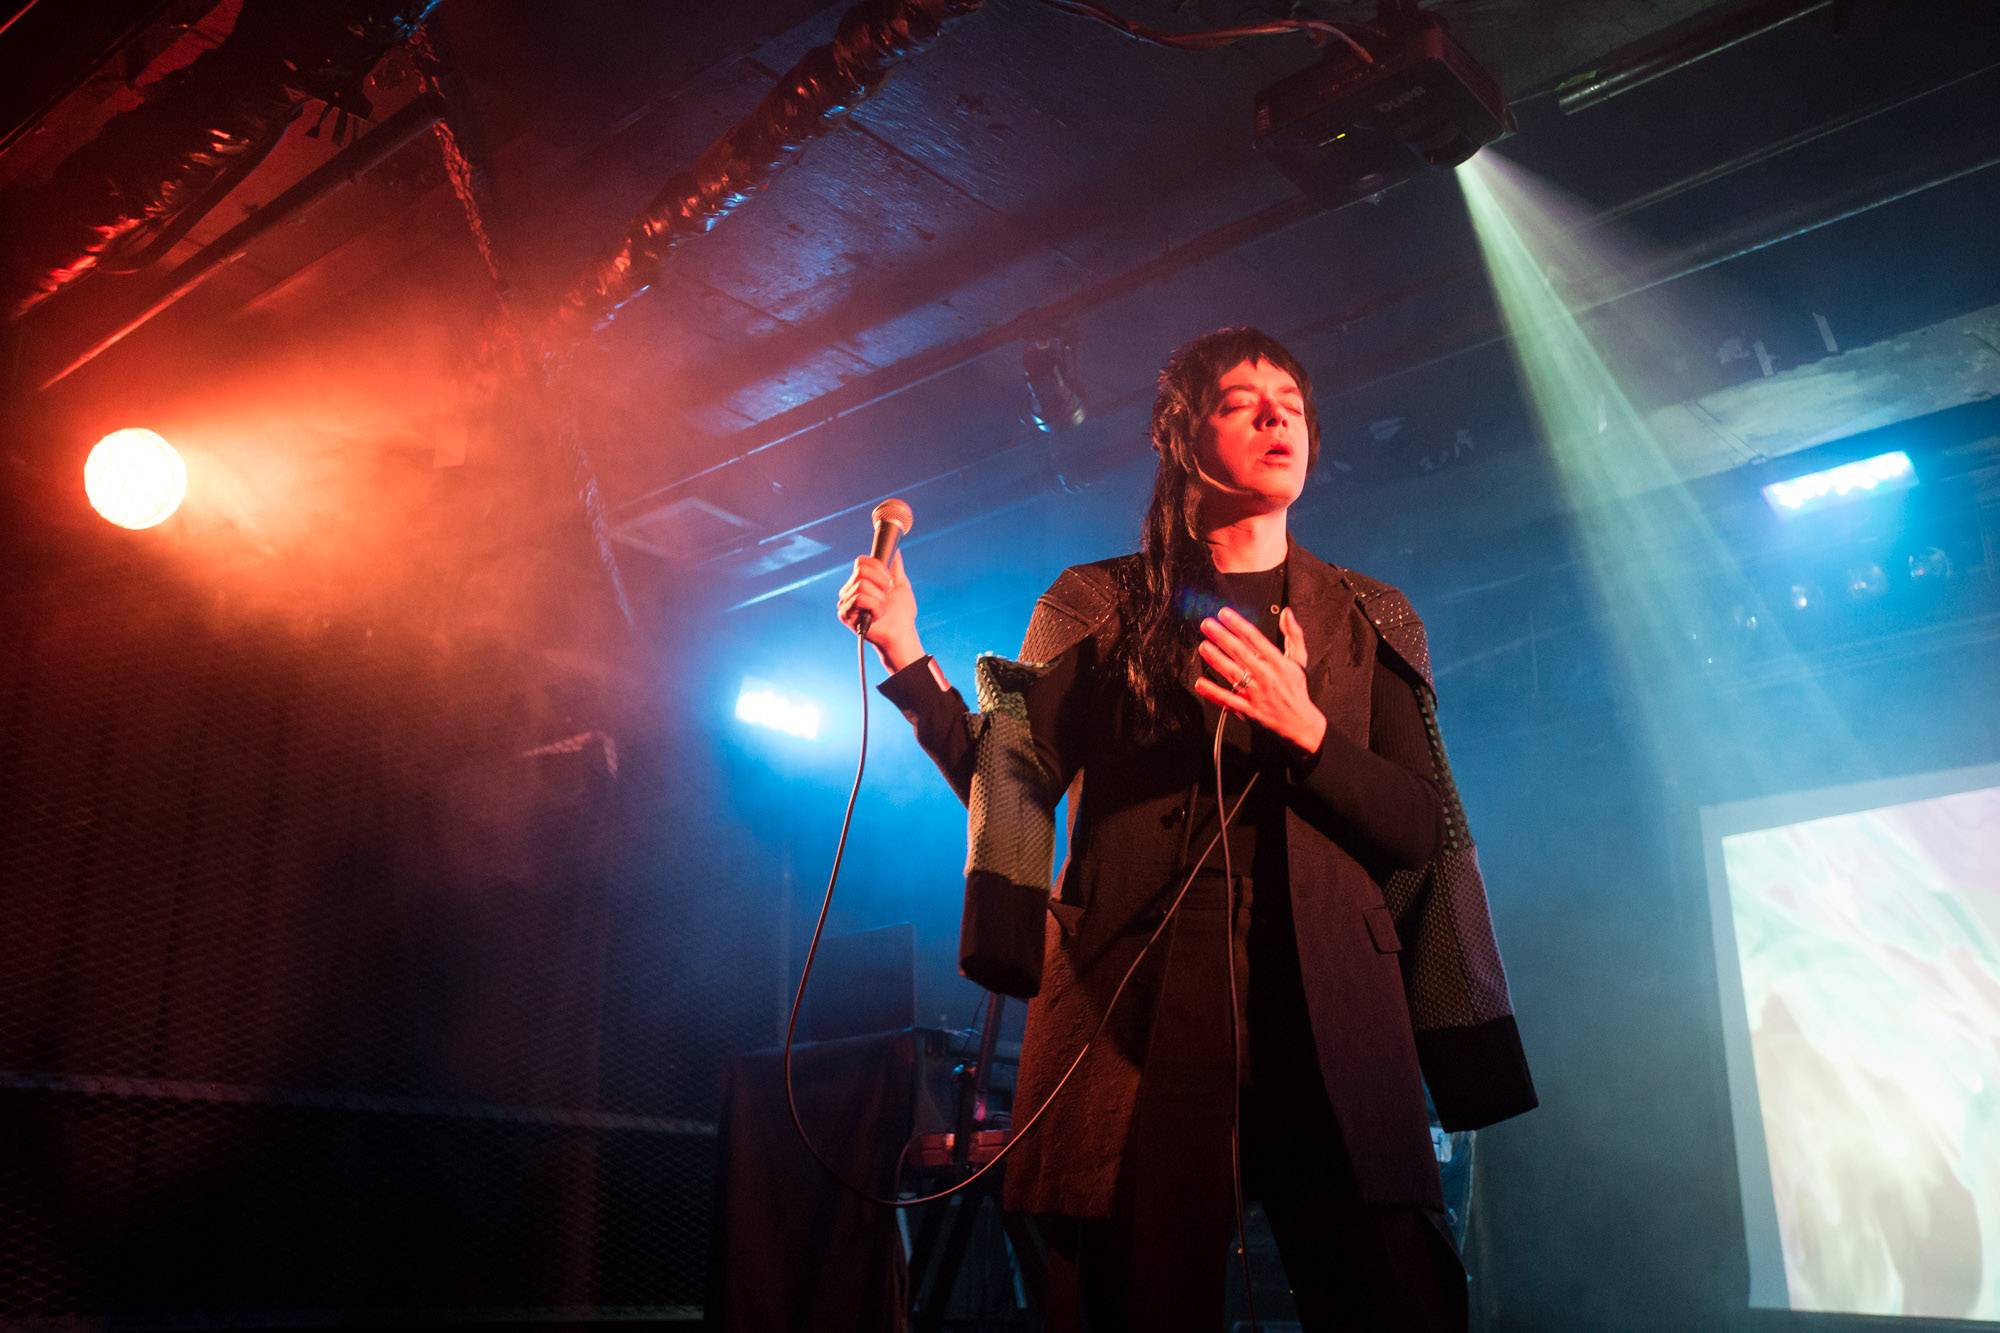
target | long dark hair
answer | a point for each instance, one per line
(1175, 569)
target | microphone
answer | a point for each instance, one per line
(892, 522)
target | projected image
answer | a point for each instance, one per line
(1868, 950)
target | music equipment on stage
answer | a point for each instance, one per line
(947, 1230)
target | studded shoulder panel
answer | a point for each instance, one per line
(1395, 620)
(1079, 604)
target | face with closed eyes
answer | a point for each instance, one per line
(1252, 446)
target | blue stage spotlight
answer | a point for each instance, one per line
(763, 705)
(1839, 485)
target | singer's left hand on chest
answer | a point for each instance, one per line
(1257, 680)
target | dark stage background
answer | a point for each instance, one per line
(320, 992)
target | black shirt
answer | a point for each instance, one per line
(1246, 749)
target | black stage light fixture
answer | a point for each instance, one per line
(1929, 565)
(1056, 400)
(1346, 129)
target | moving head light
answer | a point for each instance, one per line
(1346, 129)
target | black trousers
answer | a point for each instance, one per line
(1162, 1262)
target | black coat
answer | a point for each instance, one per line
(1384, 1016)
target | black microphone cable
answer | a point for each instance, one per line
(1235, 1022)
(1224, 814)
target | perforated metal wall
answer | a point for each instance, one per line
(332, 985)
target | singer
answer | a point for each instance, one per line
(1355, 921)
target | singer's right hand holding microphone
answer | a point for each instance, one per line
(882, 592)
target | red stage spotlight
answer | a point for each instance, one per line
(134, 478)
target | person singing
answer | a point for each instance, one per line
(1348, 909)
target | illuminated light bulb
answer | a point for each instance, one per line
(1836, 485)
(762, 705)
(134, 478)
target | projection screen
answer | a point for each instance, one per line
(1857, 937)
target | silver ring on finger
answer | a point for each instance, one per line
(1238, 684)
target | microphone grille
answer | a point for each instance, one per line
(894, 511)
